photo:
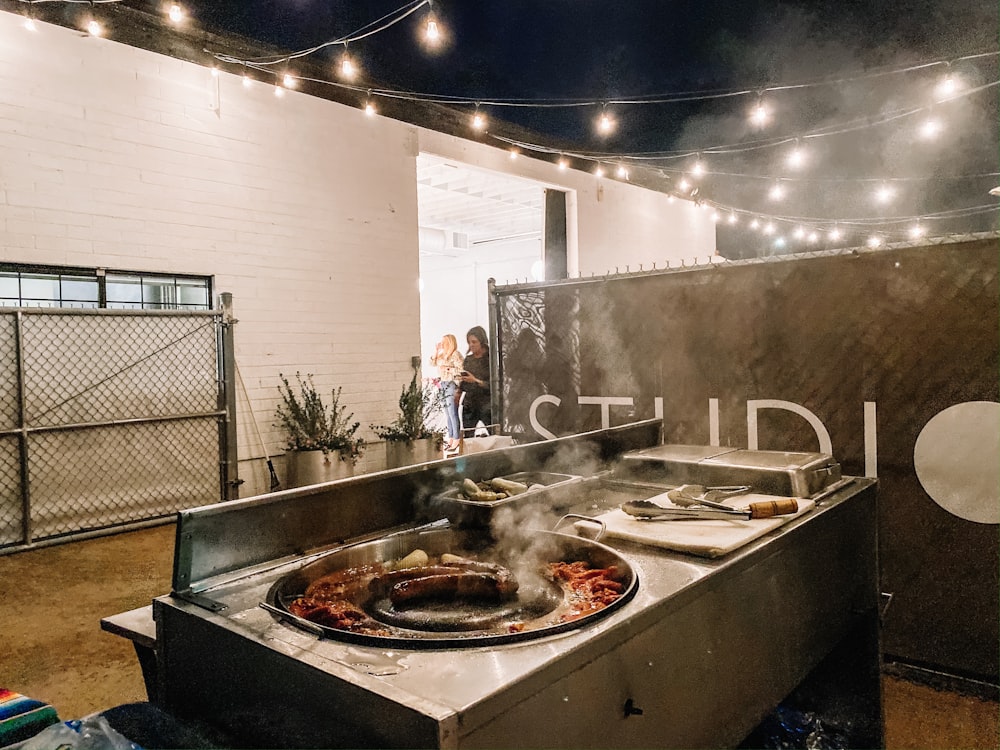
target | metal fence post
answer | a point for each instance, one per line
(227, 401)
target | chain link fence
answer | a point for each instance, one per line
(107, 418)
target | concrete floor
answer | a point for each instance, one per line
(53, 599)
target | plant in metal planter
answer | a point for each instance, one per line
(312, 425)
(418, 403)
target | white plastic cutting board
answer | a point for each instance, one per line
(703, 538)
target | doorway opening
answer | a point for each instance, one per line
(476, 224)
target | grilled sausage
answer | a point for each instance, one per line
(455, 585)
(382, 583)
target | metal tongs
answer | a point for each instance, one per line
(690, 496)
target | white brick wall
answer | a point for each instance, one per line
(304, 209)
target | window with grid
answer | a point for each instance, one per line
(35, 286)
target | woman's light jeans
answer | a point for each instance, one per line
(448, 388)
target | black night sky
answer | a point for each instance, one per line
(600, 51)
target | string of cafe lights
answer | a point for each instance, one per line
(761, 115)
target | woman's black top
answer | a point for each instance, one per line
(477, 397)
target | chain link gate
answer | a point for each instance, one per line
(108, 418)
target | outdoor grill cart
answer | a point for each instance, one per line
(704, 636)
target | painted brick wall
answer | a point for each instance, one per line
(304, 209)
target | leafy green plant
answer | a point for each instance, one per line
(310, 424)
(418, 402)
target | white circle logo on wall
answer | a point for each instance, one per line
(955, 458)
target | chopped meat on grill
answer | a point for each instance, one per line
(591, 589)
(338, 613)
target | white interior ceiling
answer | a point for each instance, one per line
(461, 208)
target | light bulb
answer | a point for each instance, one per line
(29, 24)
(813, 237)
(947, 87)
(279, 91)
(796, 157)
(755, 224)
(835, 234)
(769, 228)
(478, 121)
(370, 109)
(670, 198)
(777, 192)
(176, 13)
(779, 242)
(715, 217)
(93, 28)
(930, 129)
(732, 218)
(513, 153)
(215, 72)
(622, 172)
(563, 165)
(431, 31)
(759, 115)
(917, 231)
(347, 68)
(605, 124)
(288, 81)
(884, 194)
(599, 171)
(684, 185)
(799, 233)
(247, 80)
(874, 241)
(698, 169)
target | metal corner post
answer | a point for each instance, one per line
(227, 398)
(496, 404)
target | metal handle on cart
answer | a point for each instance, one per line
(600, 533)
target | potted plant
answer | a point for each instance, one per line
(409, 439)
(321, 442)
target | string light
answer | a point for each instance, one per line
(288, 81)
(835, 234)
(684, 185)
(777, 192)
(884, 194)
(29, 24)
(622, 172)
(799, 233)
(348, 70)
(513, 154)
(755, 224)
(698, 169)
(279, 90)
(732, 217)
(769, 228)
(874, 241)
(917, 231)
(478, 120)
(94, 28)
(563, 164)
(930, 128)
(796, 157)
(176, 13)
(370, 108)
(947, 87)
(599, 171)
(605, 124)
(759, 115)
(812, 238)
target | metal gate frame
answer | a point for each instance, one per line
(112, 419)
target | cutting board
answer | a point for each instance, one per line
(713, 538)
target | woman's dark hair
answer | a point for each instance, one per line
(480, 335)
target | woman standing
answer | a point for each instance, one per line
(474, 380)
(448, 360)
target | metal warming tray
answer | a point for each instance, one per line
(767, 472)
(553, 491)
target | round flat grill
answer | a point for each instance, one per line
(540, 607)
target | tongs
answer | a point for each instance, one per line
(690, 496)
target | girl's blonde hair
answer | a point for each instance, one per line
(450, 344)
